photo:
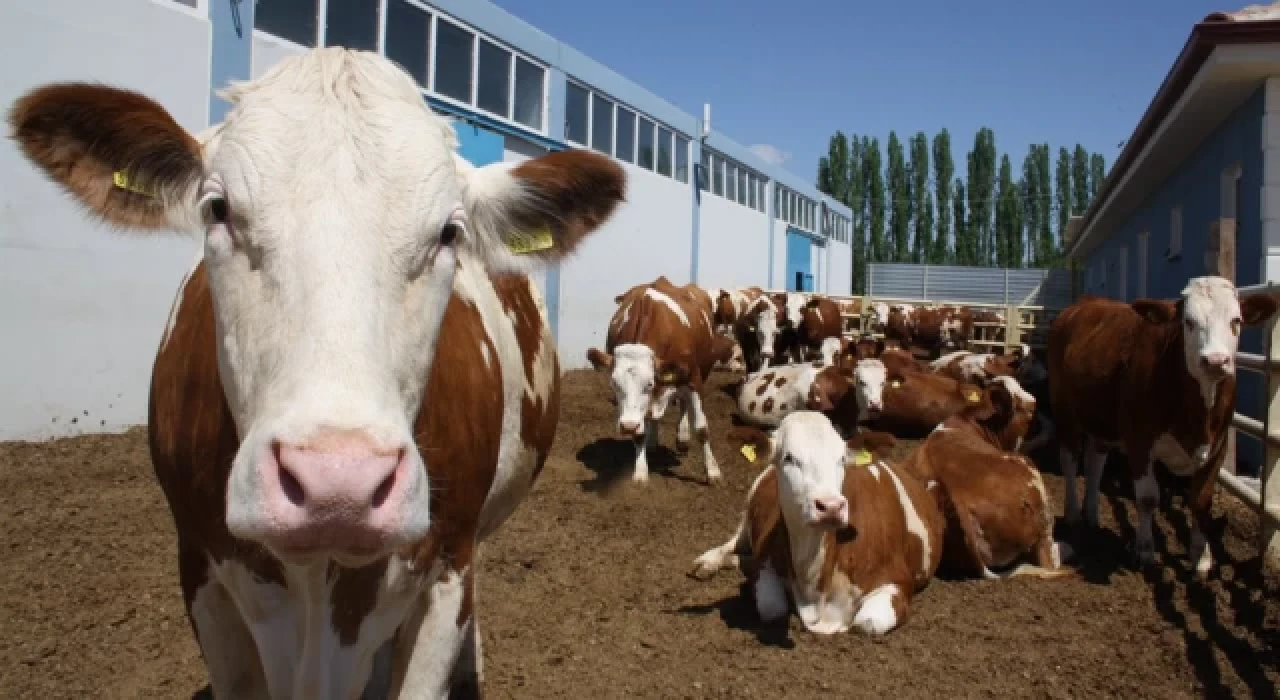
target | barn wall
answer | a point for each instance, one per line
(733, 245)
(839, 268)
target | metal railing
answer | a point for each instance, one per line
(1265, 500)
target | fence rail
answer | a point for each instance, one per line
(1265, 500)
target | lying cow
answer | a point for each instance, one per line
(330, 441)
(849, 539)
(661, 345)
(994, 500)
(976, 367)
(915, 402)
(1155, 380)
(771, 395)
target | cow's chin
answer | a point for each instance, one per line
(346, 558)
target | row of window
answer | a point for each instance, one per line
(836, 227)
(725, 177)
(591, 119)
(443, 56)
(796, 209)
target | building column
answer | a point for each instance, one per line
(232, 50)
(770, 198)
(695, 196)
(1270, 214)
(557, 85)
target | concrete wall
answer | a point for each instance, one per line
(779, 255)
(733, 244)
(839, 267)
(82, 307)
(647, 236)
(1195, 186)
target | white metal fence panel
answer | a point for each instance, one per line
(1050, 288)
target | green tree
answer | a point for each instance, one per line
(943, 171)
(1097, 173)
(873, 176)
(1079, 180)
(1043, 231)
(922, 202)
(964, 246)
(858, 206)
(1063, 199)
(1035, 205)
(982, 179)
(899, 201)
(1004, 233)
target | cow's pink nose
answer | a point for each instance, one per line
(1216, 360)
(831, 510)
(340, 491)
(629, 428)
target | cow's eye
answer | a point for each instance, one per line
(449, 234)
(215, 209)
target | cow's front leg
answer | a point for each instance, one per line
(682, 434)
(1146, 493)
(437, 655)
(1095, 460)
(694, 403)
(1200, 502)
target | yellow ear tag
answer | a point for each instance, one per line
(896, 384)
(751, 329)
(121, 180)
(525, 243)
(668, 376)
(973, 397)
(861, 458)
(749, 451)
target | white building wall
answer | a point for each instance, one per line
(648, 236)
(733, 244)
(839, 266)
(83, 307)
(779, 254)
(268, 51)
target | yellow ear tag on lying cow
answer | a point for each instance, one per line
(121, 180)
(525, 243)
(861, 458)
(897, 384)
(749, 451)
(973, 396)
(668, 377)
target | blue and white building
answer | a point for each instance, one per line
(83, 308)
(1205, 157)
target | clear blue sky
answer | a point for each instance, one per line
(788, 74)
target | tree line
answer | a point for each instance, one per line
(985, 218)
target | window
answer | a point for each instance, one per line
(408, 39)
(717, 176)
(294, 20)
(644, 137)
(760, 193)
(624, 145)
(751, 190)
(530, 92)
(1175, 234)
(493, 90)
(704, 182)
(351, 23)
(731, 181)
(601, 124)
(742, 187)
(682, 159)
(664, 151)
(576, 101)
(454, 47)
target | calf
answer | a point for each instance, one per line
(940, 330)
(757, 332)
(994, 501)
(849, 539)
(730, 306)
(1155, 380)
(661, 345)
(974, 367)
(820, 321)
(916, 402)
(771, 395)
(345, 403)
(787, 347)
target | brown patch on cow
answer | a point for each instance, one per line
(764, 383)
(781, 381)
(539, 415)
(782, 407)
(578, 191)
(768, 406)
(81, 134)
(751, 406)
(353, 597)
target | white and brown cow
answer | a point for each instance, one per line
(849, 538)
(1155, 380)
(976, 367)
(994, 500)
(661, 345)
(345, 403)
(756, 332)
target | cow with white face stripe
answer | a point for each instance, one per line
(848, 537)
(661, 346)
(756, 331)
(1155, 380)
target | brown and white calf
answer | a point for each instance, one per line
(976, 367)
(730, 305)
(820, 321)
(915, 402)
(771, 395)
(661, 345)
(848, 538)
(757, 332)
(345, 403)
(994, 500)
(1155, 380)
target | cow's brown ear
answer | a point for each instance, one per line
(828, 389)
(754, 443)
(117, 151)
(873, 441)
(977, 402)
(1155, 310)
(672, 374)
(722, 348)
(1257, 309)
(602, 361)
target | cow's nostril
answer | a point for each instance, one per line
(291, 488)
(384, 489)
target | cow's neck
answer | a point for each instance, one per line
(808, 550)
(1171, 375)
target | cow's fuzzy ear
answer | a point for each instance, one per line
(600, 360)
(522, 216)
(1155, 310)
(1257, 309)
(873, 441)
(673, 374)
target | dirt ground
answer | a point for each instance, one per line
(584, 592)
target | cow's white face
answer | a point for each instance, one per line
(634, 380)
(766, 326)
(830, 350)
(795, 308)
(1211, 327)
(869, 377)
(335, 214)
(810, 458)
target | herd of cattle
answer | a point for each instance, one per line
(848, 535)
(358, 385)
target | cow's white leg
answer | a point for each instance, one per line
(227, 645)
(771, 595)
(641, 472)
(1095, 461)
(682, 434)
(1200, 552)
(433, 650)
(694, 402)
(878, 612)
(1071, 497)
(1146, 493)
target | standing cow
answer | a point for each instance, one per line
(820, 321)
(661, 345)
(1155, 380)
(345, 403)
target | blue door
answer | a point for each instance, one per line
(799, 262)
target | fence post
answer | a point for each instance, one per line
(1012, 325)
(1270, 486)
(1006, 289)
(924, 282)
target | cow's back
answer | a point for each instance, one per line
(1090, 344)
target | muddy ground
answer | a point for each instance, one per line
(583, 592)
